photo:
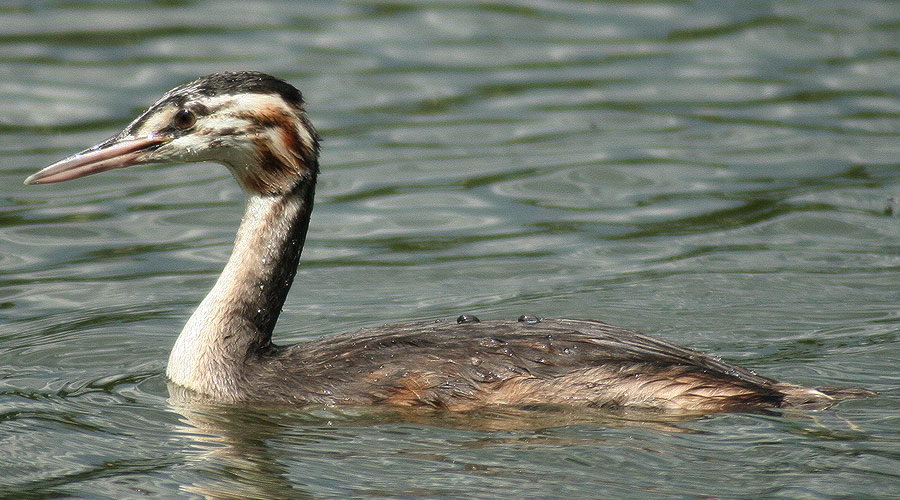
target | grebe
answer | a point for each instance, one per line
(256, 125)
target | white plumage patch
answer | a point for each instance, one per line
(265, 141)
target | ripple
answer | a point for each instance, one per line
(712, 174)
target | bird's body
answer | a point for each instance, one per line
(255, 124)
(471, 365)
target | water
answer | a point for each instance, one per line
(713, 173)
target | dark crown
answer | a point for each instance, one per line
(233, 83)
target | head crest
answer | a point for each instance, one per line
(240, 82)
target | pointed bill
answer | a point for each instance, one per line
(115, 153)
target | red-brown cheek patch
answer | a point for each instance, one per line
(281, 163)
(287, 133)
(273, 176)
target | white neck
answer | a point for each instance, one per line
(235, 320)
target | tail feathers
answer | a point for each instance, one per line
(819, 397)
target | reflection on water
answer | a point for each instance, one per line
(243, 453)
(272, 453)
(711, 173)
(229, 449)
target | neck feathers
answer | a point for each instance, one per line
(235, 320)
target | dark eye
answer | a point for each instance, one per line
(184, 119)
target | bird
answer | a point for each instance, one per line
(256, 125)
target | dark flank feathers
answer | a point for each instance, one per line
(557, 362)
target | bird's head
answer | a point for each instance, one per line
(251, 122)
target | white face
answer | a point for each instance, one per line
(222, 128)
(264, 141)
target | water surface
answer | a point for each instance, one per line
(714, 173)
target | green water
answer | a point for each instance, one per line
(715, 173)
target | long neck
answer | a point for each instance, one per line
(235, 320)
